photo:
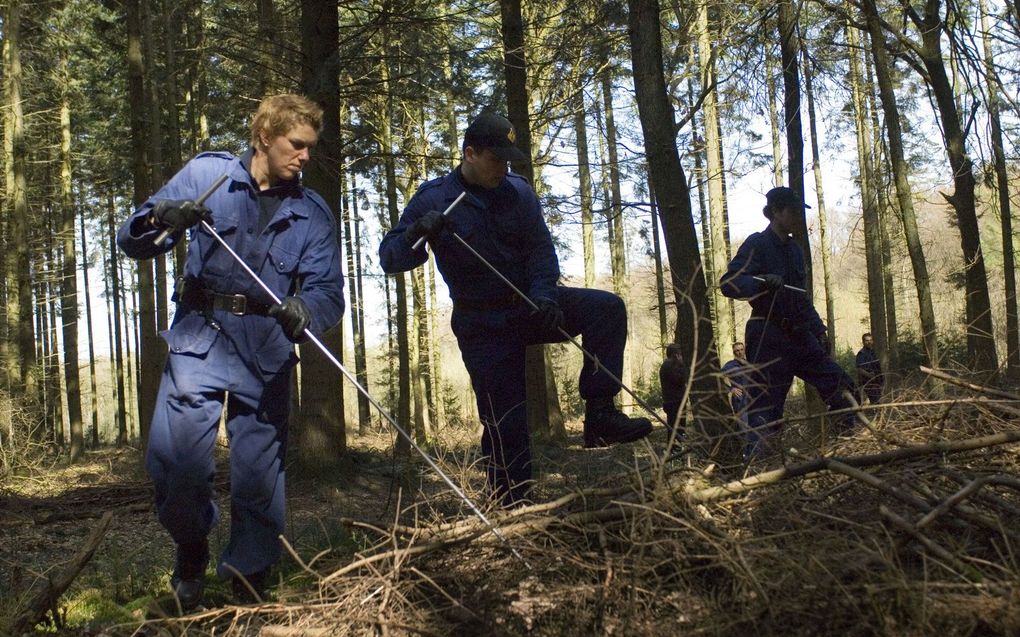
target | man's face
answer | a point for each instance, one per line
(483, 168)
(784, 220)
(287, 154)
(738, 351)
(868, 341)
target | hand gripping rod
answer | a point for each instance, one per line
(594, 359)
(788, 287)
(421, 239)
(161, 237)
(325, 351)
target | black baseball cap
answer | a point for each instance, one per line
(496, 133)
(783, 197)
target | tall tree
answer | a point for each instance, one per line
(322, 435)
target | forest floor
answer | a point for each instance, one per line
(909, 527)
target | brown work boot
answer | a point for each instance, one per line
(606, 425)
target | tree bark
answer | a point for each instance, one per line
(1005, 207)
(322, 436)
(69, 284)
(688, 279)
(90, 334)
(584, 187)
(883, 68)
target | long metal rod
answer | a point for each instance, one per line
(788, 287)
(314, 339)
(594, 359)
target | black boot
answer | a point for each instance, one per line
(250, 589)
(188, 581)
(605, 425)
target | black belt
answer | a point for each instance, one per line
(481, 305)
(784, 323)
(239, 304)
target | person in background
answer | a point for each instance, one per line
(736, 375)
(231, 346)
(673, 379)
(501, 219)
(785, 337)
(869, 370)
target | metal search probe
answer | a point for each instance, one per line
(788, 287)
(449, 482)
(587, 354)
(421, 239)
(161, 237)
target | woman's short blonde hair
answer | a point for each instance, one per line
(278, 114)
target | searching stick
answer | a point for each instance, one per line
(325, 351)
(161, 237)
(789, 287)
(421, 240)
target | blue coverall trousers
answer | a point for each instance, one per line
(183, 434)
(777, 354)
(493, 344)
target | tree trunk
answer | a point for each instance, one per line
(823, 225)
(157, 168)
(69, 286)
(1005, 211)
(118, 339)
(660, 286)
(716, 243)
(770, 83)
(690, 288)
(543, 407)
(322, 437)
(883, 67)
(89, 332)
(980, 331)
(584, 187)
(351, 219)
(152, 350)
(19, 286)
(869, 204)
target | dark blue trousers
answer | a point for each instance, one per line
(180, 453)
(493, 343)
(776, 356)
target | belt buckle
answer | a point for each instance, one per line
(238, 304)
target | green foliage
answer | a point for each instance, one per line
(952, 349)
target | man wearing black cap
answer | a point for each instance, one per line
(784, 337)
(502, 220)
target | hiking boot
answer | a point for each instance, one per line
(250, 589)
(188, 580)
(608, 425)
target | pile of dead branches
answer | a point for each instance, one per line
(908, 527)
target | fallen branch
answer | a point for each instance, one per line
(50, 591)
(991, 391)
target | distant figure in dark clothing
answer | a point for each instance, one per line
(869, 370)
(736, 373)
(673, 378)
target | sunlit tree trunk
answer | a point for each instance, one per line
(1005, 207)
(350, 212)
(883, 67)
(770, 84)
(90, 334)
(584, 187)
(114, 292)
(716, 240)
(869, 204)
(823, 225)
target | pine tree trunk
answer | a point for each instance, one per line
(980, 331)
(90, 334)
(718, 255)
(322, 435)
(351, 219)
(770, 83)
(114, 292)
(869, 204)
(584, 188)
(883, 67)
(1005, 207)
(660, 286)
(69, 287)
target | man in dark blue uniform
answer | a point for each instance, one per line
(869, 370)
(502, 220)
(229, 336)
(785, 337)
(737, 376)
(673, 381)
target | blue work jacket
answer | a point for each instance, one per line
(766, 253)
(504, 225)
(298, 247)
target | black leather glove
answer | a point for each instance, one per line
(771, 281)
(293, 316)
(428, 225)
(823, 340)
(548, 315)
(179, 214)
